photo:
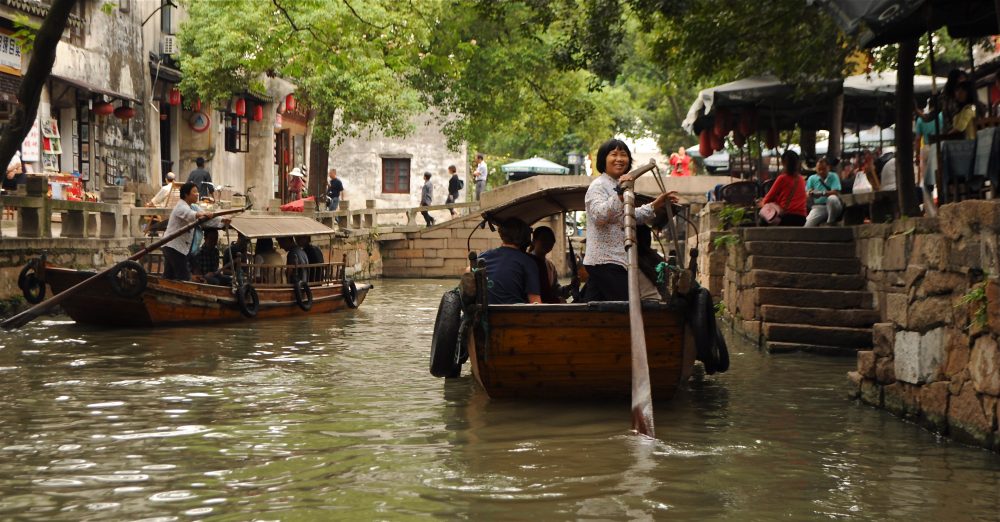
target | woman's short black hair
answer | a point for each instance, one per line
(606, 148)
(543, 233)
(186, 189)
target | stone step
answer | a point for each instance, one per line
(762, 278)
(839, 299)
(801, 249)
(819, 234)
(822, 349)
(856, 318)
(819, 335)
(805, 264)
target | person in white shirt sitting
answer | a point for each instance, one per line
(160, 199)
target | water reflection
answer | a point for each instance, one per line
(336, 417)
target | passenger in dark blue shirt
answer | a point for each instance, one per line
(512, 274)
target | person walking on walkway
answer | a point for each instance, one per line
(333, 191)
(202, 178)
(426, 198)
(481, 174)
(454, 185)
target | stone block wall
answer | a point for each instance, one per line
(935, 359)
(712, 259)
(739, 295)
(436, 253)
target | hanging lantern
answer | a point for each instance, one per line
(739, 139)
(723, 122)
(258, 113)
(771, 140)
(705, 143)
(289, 103)
(748, 122)
(197, 105)
(718, 142)
(125, 112)
(103, 108)
(175, 96)
(241, 107)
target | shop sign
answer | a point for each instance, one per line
(32, 144)
(199, 121)
(10, 55)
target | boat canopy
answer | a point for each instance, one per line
(545, 203)
(260, 226)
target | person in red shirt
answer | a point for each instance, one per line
(681, 163)
(789, 191)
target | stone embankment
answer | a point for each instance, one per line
(935, 359)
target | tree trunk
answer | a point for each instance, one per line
(319, 162)
(836, 148)
(42, 58)
(905, 185)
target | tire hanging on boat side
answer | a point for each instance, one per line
(702, 321)
(32, 288)
(303, 295)
(128, 278)
(248, 300)
(350, 292)
(445, 351)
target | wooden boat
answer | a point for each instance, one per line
(167, 302)
(567, 351)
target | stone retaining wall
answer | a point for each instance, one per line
(935, 359)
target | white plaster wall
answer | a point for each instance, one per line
(359, 165)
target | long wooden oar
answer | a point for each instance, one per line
(642, 398)
(30, 314)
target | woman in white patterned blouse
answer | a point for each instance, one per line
(606, 260)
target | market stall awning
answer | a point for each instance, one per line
(95, 89)
(883, 84)
(881, 22)
(530, 167)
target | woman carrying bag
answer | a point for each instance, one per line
(785, 203)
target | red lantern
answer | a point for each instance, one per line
(103, 108)
(175, 96)
(241, 107)
(197, 105)
(739, 139)
(258, 113)
(705, 143)
(125, 112)
(748, 122)
(771, 140)
(718, 142)
(723, 122)
(289, 103)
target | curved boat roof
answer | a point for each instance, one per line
(257, 226)
(544, 203)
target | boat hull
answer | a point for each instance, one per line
(167, 302)
(576, 351)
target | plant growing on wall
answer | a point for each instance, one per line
(976, 298)
(731, 216)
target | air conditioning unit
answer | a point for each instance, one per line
(169, 45)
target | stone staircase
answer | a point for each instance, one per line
(810, 290)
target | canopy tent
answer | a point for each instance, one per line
(772, 101)
(870, 99)
(544, 203)
(867, 139)
(881, 22)
(529, 167)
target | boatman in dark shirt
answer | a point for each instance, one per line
(333, 190)
(512, 274)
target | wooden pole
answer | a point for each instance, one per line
(642, 399)
(836, 147)
(28, 315)
(905, 186)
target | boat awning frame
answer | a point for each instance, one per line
(260, 226)
(544, 203)
(89, 87)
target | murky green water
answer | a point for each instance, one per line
(336, 418)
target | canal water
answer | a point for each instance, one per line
(337, 418)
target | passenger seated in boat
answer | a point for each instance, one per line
(542, 242)
(237, 251)
(205, 264)
(512, 274)
(606, 260)
(649, 259)
(315, 256)
(266, 255)
(295, 256)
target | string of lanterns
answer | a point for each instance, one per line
(125, 111)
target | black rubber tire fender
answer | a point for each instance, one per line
(701, 319)
(22, 278)
(350, 292)
(445, 351)
(248, 300)
(303, 295)
(118, 282)
(33, 289)
(721, 349)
